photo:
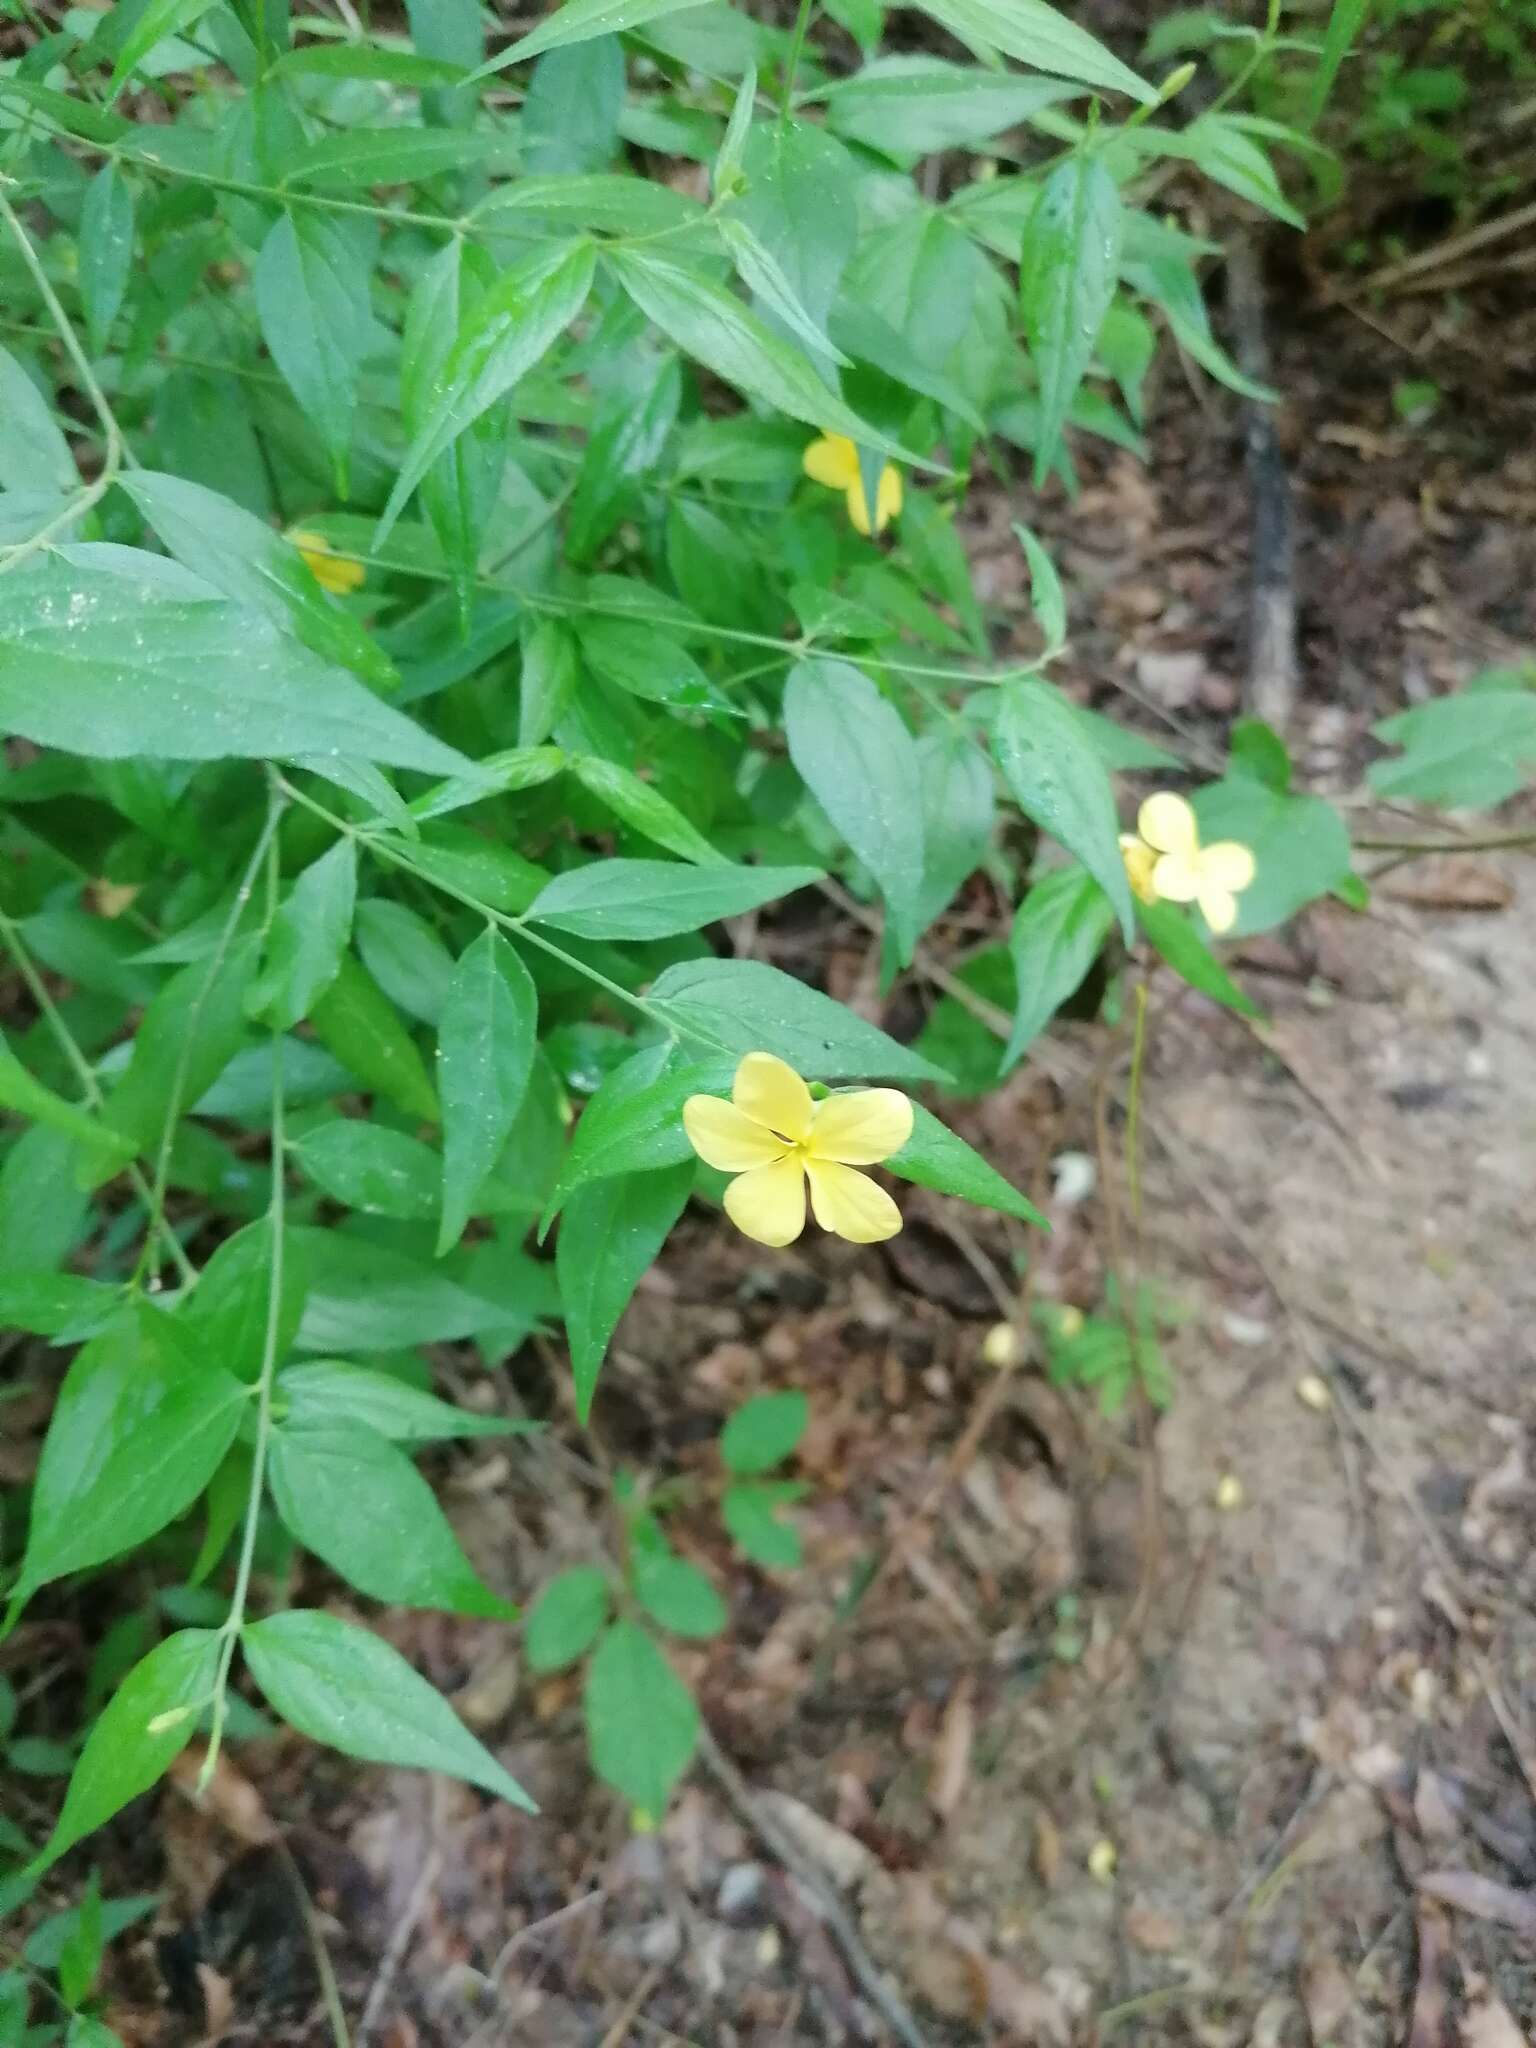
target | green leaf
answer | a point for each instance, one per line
(88, 2032)
(362, 157)
(744, 1006)
(572, 109)
(708, 323)
(760, 272)
(1040, 37)
(854, 753)
(405, 956)
(115, 668)
(725, 171)
(372, 1297)
(308, 938)
(629, 431)
(920, 276)
(642, 1722)
(644, 809)
(763, 1432)
(1346, 18)
(634, 1123)
(649, 664)
(1057, 935)
(141, 1423)
(934, 1157)
(227, 1314)
(355, 1500)
(508, 330)
(186, 1038)
(750, 1514)
(1046, 597)
(1300, 847)
(244, 559)
(1059, 783)
(106, 251)
(578, 21)
(603, 199)
(330, 1391)
(1259, 751)
(911, 106)
(1469, 751)
(458, 491)
(34, 455)
(677, 1596)
(367, 60)
(372, 1168)
(959, 811)
(147, 1724)
(153, 24)
(567, 1618)
(799, 203)
(485, 1046)
(1170, 282)
(341, 1685)
(1119, 748)
(46, 1943)
(311, 288)
(514, 768)
(610, 1233)
(656, 899)
(1191, 959)
(355, 1020)
(23, 1093)
(60, 1305)
(1232, 158)
(1067, 276)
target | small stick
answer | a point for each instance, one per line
(1271, 690)
(892, 2007)
(400, 1936)
(618, 2032)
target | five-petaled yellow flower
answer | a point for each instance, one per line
(834, 461)
(332, 572)
(774, 1138)
(1166, 861)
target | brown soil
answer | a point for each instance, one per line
(1094, 1758)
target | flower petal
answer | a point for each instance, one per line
(849, 1204)
(1139, 860)
(768, 1203)
(723, 1137)
(1167, 823)
(773, 1095)
(1227, 865)
(833, 461)
(332, 572)
(888, 497)
(1218, 906)
(861, 1129)
(1176, 877)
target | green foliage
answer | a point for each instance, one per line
(429, 638)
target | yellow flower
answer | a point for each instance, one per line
(774, 1138)
(331, 572)
(1139, 860)
(1184, 871)
(834, 461)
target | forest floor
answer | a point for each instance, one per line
(1222, 1731)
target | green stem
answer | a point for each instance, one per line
(792, 62)
(234, 1621)
(1133, 1111)
(90, 1088)
(1498, 842)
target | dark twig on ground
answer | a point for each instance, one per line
(1271, 682)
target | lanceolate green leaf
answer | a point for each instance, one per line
(149, 1721)
(509, 329)
(610, 1233)
(485, 1054)
(356, 1021)
(244, 559)
(141, 1424)
(935, 1157)
(22, 1092)
(1040, 37)
(860, 762)
(578, 21)
(106, 250)
(342, 1685)
(643, 808)
(34, 455)
(330, 1391)
(746, 1006)
(372, 1169)
(1057, 934)
(1067, 276)
(311, 282)
(1170, 930)
(709, 323)
(161, 18)
(655, 899)
(355, 1500)
(1057, 780)
(105, 666)
(308, 938)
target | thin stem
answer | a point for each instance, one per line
(1133, 1111)
(234, 1621)
(1498, 842)
(176, 1104)
(792, 62)
(90, 1088)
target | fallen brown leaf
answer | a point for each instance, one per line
(1426, 2028)
(951, 1771)
(1450, 881)
(229, 1796)
(1491, 2024)
(1328, 1995)
(218, 2003)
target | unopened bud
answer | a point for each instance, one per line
(1175, 83)
(1000, 1346)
